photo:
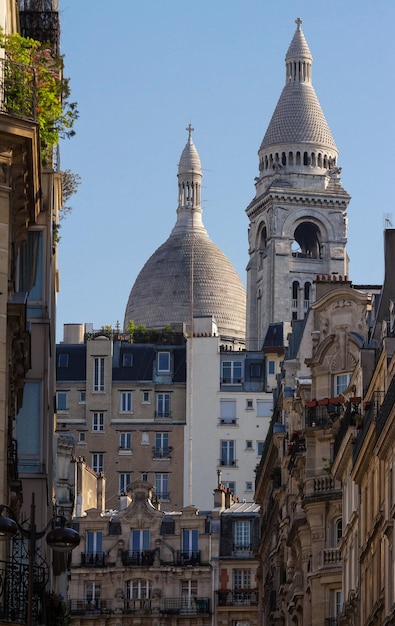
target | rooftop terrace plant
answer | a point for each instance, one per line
(34, 86)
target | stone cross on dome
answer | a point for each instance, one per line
(190, 130)
(298, 22)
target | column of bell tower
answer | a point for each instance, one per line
(297, 219)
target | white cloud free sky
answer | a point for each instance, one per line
(141, 70)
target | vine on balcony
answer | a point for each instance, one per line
(35, 75)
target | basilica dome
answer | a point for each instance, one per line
(164, 292)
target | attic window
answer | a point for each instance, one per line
(127, 359)
(63, 360)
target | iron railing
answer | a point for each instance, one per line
(140, 558)
(18, 90)
(93, 559)
(242, 597)
(14, 580)
(89, 607)
(186, 606)
(188, 557)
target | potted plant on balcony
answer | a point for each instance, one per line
(34, 86)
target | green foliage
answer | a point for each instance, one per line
(34, 86)
(70, 184)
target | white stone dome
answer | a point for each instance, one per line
(162, 292)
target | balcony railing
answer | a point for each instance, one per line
(18, 90)
(242, 597)
(140, 558)
(331, 556)
(188, 557)
(90, 607)
(93, 559)
(161, 453)
(185, 606)
(14, 578)
(228, 462)
(137, 605)
(163, 415)
(242, 547)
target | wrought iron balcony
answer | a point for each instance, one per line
(161, 453)
(241, 547)
(241, 597)
(90, 607)
(188, 557)
(142, 558)
(18, 90)
(185, 606)
(93, 559)
(163, 415)
(14, 577)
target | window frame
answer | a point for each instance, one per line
(98, 374)
(125, 441)
(162, 481)
(124, 481)
(126, 401)
(163, 398)
(232, 377)
(98, 422)
(228, 453)
(98, 462)
(65, 394)
(163, 368)
(63, 359)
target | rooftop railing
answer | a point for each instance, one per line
(18, 90)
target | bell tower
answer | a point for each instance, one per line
(297, 219)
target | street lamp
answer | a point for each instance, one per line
(59, 538)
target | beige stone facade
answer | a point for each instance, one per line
(145, 566)
(127, 420)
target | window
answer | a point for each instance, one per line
(81, 438)
(163, 405)
(188, 596)
(144, 439)
(249, 405)
(232, 372)
(138, 590)
(144, 477)
(146, 397)
(93, 593)
(341, 383)
(139, 540)
(30, 266)
(28, 429)
(162, 486)
(126, 402)
(163, 360)
(127, 359)
(255, 370)
(97, 462)
(248, 486)
(231, 485)
(63, 360)
(125, 441)
(242, 536)
(259, 447)
(249, 445)
(124, 481)
(82, 397)
(94, 542)
(228, 453)
(270, 367)
(227, 411)
(61, 401)
(263, 408)
(337, 532)
(98, 374)
(241, 579)
(98, 422)
(161, 445)
(190, 546)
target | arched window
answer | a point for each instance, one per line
(305, 158)
(295, 297)
(337, 532)
(291, 158)
(298, 158)
(306, 297)
(283, 159)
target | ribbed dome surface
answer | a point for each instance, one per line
(161, 293)
(298, 118)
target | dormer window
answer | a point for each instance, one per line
(163, 360)
(127, 359)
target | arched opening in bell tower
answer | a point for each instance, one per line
(307, 241)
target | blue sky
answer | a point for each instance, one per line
(142, 70)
